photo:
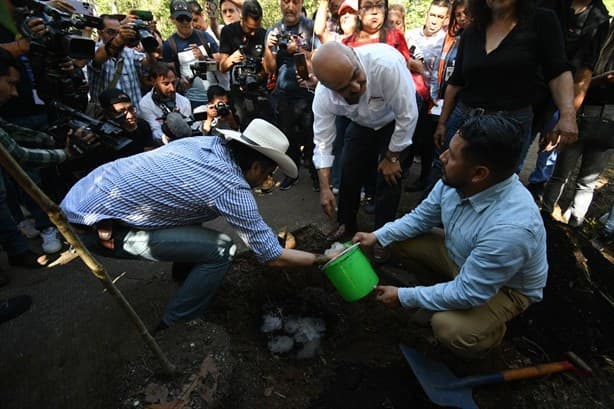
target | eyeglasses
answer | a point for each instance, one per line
(371, 6)
(123, 112)
(110, 31)
(183, 19)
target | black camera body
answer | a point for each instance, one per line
(143, 36)
(283, 39)
(201, 68)
(222, 108)
(245, 73)
(59, 43)
(109, 133)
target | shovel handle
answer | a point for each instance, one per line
(537, 370)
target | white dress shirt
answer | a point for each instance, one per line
(390, 95)
(152, 113)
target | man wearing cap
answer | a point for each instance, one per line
(162, 99)
(114, 65)
(187, 45)
(151, 206)
(372, 87)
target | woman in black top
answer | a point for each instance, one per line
(496, 69)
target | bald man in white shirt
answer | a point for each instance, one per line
(371, 86)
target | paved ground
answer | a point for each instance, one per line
(58, 354)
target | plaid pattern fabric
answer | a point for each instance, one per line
(187, 182)
(129, 81)
(13, 136)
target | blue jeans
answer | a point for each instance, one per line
(544, 165)
(455, 121)
(11, 238)
(208, 251)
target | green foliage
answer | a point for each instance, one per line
(415, 9)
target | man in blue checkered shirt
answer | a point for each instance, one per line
(152, 205)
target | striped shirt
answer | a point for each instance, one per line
(188, 181)
(11, 136)
(100, 77)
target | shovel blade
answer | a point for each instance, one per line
(440, 385)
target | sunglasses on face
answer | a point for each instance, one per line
(183, 19)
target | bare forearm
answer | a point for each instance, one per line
(449, 101)
(324, 177)
(562, 90)
(298, 258)
(581, 84)
(17, 48)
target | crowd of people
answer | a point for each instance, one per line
(144, 139)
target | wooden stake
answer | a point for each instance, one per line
(61, 222)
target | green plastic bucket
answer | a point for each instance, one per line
(351, 274)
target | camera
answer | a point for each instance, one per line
(283, 39)
(222, 108)
(245, 73)
(143, 36)
(109, 133)
(49, 51)
(201, 68)
(61, 37)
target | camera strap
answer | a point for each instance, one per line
(118, 72)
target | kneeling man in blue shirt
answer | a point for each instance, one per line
(491, 251)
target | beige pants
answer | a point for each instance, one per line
(468, 333)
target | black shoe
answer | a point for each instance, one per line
(287, 183)
(602, 240)
(342, 233)
(14, 307)
(537, 191)
(26, 259)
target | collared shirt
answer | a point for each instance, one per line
(11, 136)
(190, 181)
(129, 80)
(497, 237)
(152, 113)
(430, 49)
(390, 95)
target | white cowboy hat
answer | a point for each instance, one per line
(266, 139)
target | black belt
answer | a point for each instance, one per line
(506, 112)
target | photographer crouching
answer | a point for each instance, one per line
(162, 99)
(218, 111)
(241, 52)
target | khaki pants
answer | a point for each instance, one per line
(468, 333)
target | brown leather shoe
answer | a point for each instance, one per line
(342, 233)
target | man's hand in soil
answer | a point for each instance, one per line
(387, 294)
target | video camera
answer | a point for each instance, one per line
(109, 133)
(49, 51)
(143, 36)
(60, 38)
(245, 73)
(201, 68)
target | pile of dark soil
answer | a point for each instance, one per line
(359, 363)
